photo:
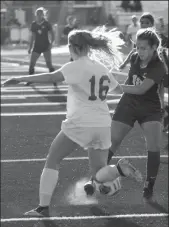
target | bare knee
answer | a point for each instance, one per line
(115, 142)
(153, 146)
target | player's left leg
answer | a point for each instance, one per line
(48, 59)
(60, 148)
(33, 59)
(153, 133)
(102, 173)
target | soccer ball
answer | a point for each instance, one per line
(109, 188)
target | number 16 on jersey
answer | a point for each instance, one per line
(103, 89)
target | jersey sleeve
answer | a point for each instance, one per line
(113, 82)
(157, 73)
(71, 73)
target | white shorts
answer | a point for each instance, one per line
(88, 137)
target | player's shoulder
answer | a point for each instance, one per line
(156, 63)
(100, 65)
(69, 66)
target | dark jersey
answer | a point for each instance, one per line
(155, 71)
(41, 33)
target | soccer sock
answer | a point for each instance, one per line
(107, 173)
(110, 155)
(48, 181)
(153, 163)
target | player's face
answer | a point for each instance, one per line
(39, 16)
(134, 20)
(145, 23)
(145, 51)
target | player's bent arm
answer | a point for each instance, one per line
(138, 89)
(52, 77)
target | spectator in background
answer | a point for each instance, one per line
(137, 6)
(13, 21)
(132, 29)
(125, 5)
(71, 25)
(110, 20)
(162, 30)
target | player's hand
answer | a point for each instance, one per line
(29, 51)
(9, 82)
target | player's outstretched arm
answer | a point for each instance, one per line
(52, 77)
(127, 60)
(138, 89)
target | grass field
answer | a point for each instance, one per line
(30, 119)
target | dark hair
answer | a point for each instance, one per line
(102, 45)
(150, 35)
(148, 16)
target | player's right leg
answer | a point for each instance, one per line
(60, 148)
(33, 59)
(121, 125)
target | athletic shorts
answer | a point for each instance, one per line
(89, 137)
(41, 50)
(129, 115)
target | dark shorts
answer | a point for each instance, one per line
(41, 49)
(129, 114)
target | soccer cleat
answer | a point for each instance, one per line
(89, 187)
(128, 170)
(38, 212)
(148, 190)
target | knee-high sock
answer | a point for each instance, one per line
(48, 181)
(153, 163)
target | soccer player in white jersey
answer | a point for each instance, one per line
(88, 121)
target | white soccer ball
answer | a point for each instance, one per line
(109, 188)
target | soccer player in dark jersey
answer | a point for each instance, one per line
(71, 25)
(40, 43)
(141, 102)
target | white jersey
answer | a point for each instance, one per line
(89, 81)
(133, 31)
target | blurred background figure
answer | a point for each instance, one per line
(132, 30)
(125, 5)
(39, 41)
(163, 31)
(71, 25)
